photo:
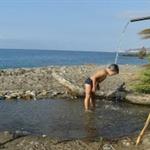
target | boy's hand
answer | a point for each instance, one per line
(93, 89)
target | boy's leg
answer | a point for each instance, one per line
(87, 96)
(92, 100)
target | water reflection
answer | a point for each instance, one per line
(90, 126)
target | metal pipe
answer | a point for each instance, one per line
(140, 19)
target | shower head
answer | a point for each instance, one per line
(140, 19)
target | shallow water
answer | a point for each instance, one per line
(66, 119)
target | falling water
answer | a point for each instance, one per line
(120, 41)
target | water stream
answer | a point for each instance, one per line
(120, 41)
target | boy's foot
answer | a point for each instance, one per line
(92, 109)
(89, 111)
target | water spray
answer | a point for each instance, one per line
(123, 31)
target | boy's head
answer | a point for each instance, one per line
(113, 69)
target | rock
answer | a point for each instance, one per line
(107, 147)
(29, 95)
(121, 95)
(126, 142)
(44, 92)
(18, 133)
(6, 133)
(66, 83)
(111, 94)
(55, 93)
(12, 96)
(146, 141)
(2, 97)
(136, 98)
(44, 135)
(116, 95)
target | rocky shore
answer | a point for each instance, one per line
(63, 82)
(17, 141)
(53, 82)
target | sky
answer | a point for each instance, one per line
(86, 25)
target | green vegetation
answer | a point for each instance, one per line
(143, 85)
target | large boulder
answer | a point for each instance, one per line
(138, 98)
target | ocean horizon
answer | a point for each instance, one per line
(28, 58)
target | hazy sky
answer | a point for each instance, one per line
(93, 25)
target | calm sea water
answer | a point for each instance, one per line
(17, 58)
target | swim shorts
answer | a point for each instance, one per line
(88, 81)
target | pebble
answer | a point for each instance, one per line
(108, 147)
(6, 132)
(44, 136)
(126, 142)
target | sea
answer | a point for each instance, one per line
(26, 58)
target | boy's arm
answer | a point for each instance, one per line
(94, 85)
(98, 75)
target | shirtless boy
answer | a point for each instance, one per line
(92, 83)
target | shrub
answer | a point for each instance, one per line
(143, 84)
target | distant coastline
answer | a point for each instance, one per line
(135, 52)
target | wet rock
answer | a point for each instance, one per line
(138, 98)
(19, 133)
(12, 96)
(55, 93)
(41, 94)
(2, 97)
(20, 95)
(29, 95)
(111, 94)
(118, 94)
